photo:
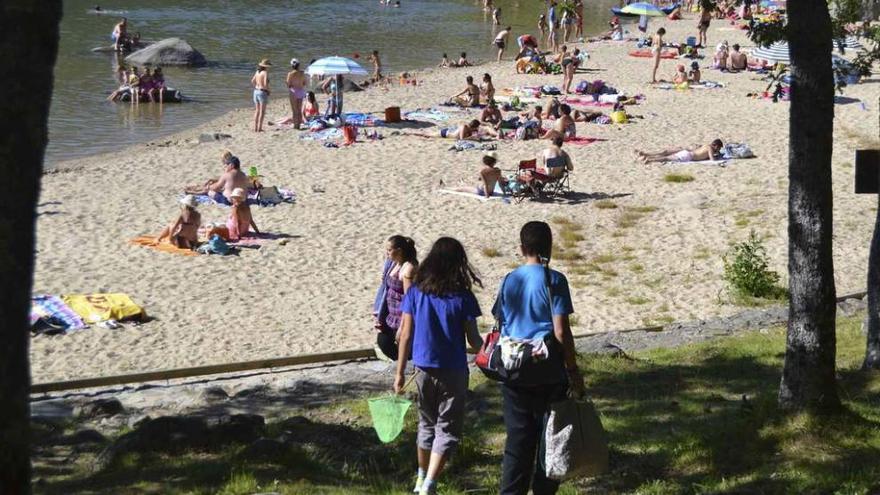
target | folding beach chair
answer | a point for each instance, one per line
(529, 183)
(558, 186)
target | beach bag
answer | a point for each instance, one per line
(349, 133)
(737, 150)
(619, 117)
(483, 360)
(576, 445)
(216, 245)
(269, 195)
(93, 308)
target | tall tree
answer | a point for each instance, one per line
(808, 380)
(28, 47)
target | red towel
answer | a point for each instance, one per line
(648, 54)
(581, 140)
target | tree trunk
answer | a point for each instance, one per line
(808, 380)
(872, 349)
(28, 46)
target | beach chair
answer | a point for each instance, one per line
(529, 183)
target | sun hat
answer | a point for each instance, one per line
(493, 155)
(294, 61)
(238, 193)
(189, 200)
(265, 63)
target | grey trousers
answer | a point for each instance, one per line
(442, 397)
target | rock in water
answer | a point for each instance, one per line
(170, 51)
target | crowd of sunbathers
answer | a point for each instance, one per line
(229, 189)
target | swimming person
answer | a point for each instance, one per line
(296, 86)
(260, 81)
(711, 151)
(401, 261)
(533, 308)
(501, 41)
(184, 232)
(439, 315)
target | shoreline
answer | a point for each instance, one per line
(651, 252)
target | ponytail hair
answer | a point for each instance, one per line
(407, 248)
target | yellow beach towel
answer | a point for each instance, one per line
(101, 307)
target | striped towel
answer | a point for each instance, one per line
(52, 308)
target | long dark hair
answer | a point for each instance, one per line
(446, 269)
(407, 248)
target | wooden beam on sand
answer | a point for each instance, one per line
(151, 376)
(283, 362)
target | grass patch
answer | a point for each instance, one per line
(604, 258)
(574, 320)
(677, 178)
(605, 204)
(628, 219)
(642, 209)
(702, 253)
(562, 254)
(741, 222)
(637, 300)
(636, 268)
(490, 252)
(613, 292)
(676, 419)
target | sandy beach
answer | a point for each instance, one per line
(313, 293)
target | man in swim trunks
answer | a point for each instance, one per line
(711, 151)
(470, 97)
(221, 190)
(501, 41)
(737, 60)
(703, 25)
(120, 32)
(296, 84)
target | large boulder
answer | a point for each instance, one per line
(170, 51)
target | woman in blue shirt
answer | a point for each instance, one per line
(533, 306)
(439, 313)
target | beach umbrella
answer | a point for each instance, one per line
(850, 42)
(776, 53)
(642, 9)
(335, 66)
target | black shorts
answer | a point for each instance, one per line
(704, 24)
(499, 44)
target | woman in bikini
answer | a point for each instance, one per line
(296, 85)
(487, 89)
(657, 49)
(260, 81)
(310, 108)
(184, 232)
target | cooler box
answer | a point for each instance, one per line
(392, 114)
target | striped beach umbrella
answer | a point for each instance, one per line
(642, 9)
(850, 42)
(776, 53)
(334, 66)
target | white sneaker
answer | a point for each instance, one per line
(419, 481)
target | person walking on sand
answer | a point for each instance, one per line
(439, 315)
(296, 85)
(260, 82)
(532, 309)
(501, 41)
(657, 50)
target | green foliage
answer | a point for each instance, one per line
(746, 269)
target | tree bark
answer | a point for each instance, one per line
(808, 375)
(28, 47)
(872, 348)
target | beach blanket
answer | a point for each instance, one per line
(50, 315)
(717, 163)
(429, 114)
(522, 99)
(648, 54)
(474, 195)
(253, 198)
(322, 135)
(93, 308)
(149, 241)
(462, 145)
(362, 120)
(581, 140)
(256, 240)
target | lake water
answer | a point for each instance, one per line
(235, 34)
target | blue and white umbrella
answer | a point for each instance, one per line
(643, 9)
(850, 42)
(334, 66)
(776, 53)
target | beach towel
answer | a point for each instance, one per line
(149, 241)
(256, 240)
(503, 199)
(717, 163)
(362, 120)
(648, 54)
(253, 198)
(462, 145)
(50, 315)
(581, 140)
(429, 114)
(322, 135)
(93, 308)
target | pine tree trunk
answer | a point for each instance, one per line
(28, 46)
(872, 349)
(808, 379)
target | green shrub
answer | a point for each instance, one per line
(746, 269)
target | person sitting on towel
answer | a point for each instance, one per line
(563, 127)
(469, 131)
(711, 151)
(737, 60)
(240, 220)
(492, 182)
(469, 97)
(184, 232)
(220, 190)
(491, 115)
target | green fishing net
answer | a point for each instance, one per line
(388, 413)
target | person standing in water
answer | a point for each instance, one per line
(260, 81)
(120, 32)
(296, 84)
(501, 41)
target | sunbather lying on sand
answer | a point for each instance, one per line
(709, 151)
(220, 190)
(469, 131)
(240, 219)
(184, 232)
(492, 182)
(564, 126)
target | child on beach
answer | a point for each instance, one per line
(401, 260)
(439, 315)
(240, 220)
(542, 26)
(260, 81)
(694, 74)
(680, 77)
(496, 16)
(463, 61)
(184, 232)
(445, 62)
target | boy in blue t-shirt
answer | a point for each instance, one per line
(439, 314)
